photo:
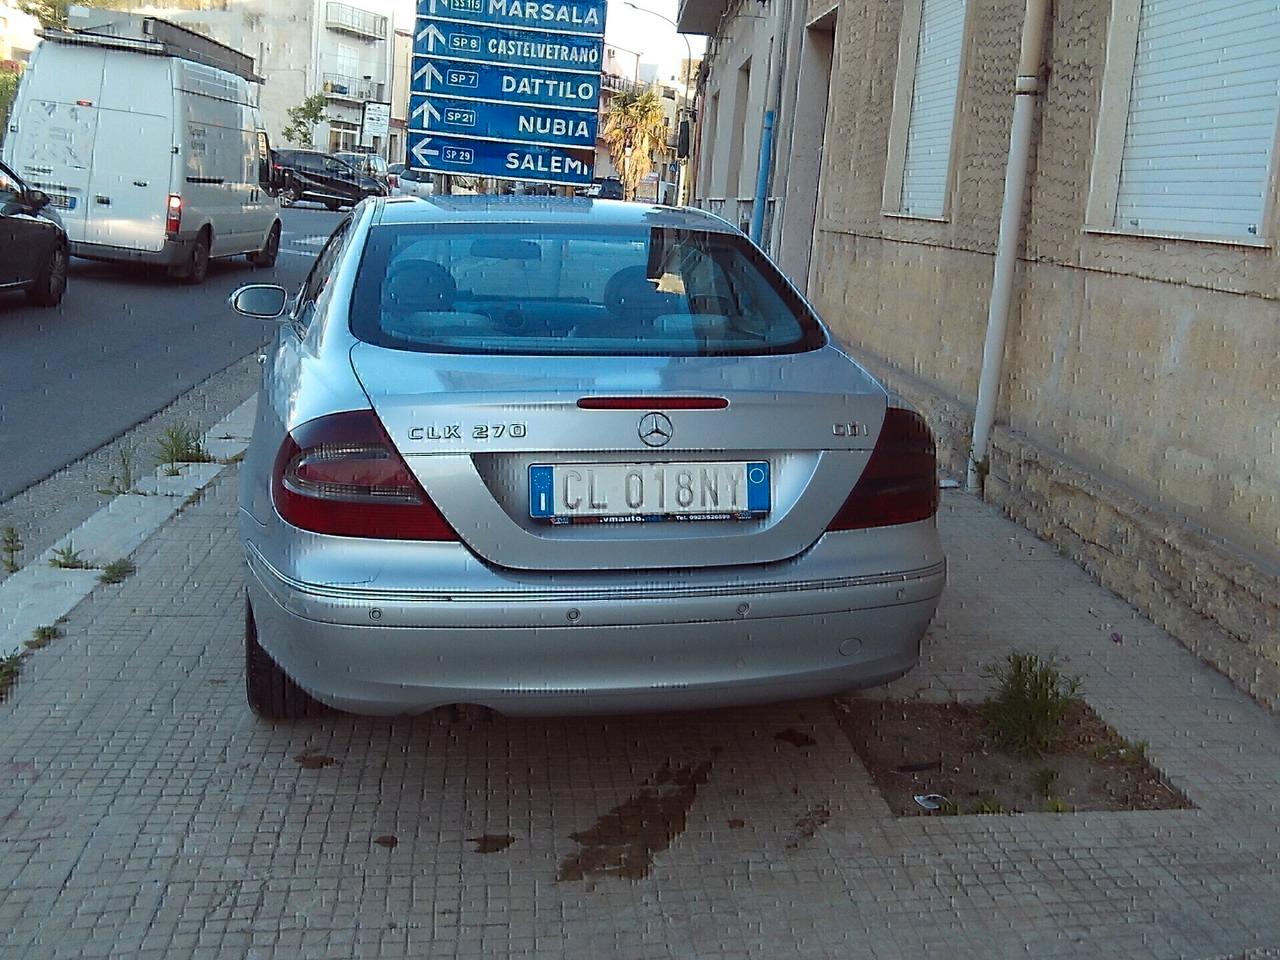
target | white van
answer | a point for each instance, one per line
(146, 137)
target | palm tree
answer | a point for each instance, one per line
(634, 127)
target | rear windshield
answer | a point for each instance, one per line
(574, 290)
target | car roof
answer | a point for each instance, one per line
(533, 209)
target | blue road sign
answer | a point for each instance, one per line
(473, 43)
(484, 81)
(516, 122)
(494, 158)
(574, 16)
(506, 88)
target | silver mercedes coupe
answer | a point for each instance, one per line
(565, 457)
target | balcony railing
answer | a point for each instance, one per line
(612, 83)
(339, 86)
(361, 23)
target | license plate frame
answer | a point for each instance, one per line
(616, 485)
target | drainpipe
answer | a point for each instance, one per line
(762, 179)
(773, 94)
(1026, 90)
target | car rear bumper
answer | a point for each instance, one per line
(625, 651)
(173, 252)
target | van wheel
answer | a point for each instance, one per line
(196, 269)
(289, 196)
(266, 257)
(51, 283)
(271, 692)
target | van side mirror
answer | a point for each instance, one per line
(262, 301)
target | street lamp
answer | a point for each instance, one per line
(688, 62)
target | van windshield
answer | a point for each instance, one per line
(574, 289)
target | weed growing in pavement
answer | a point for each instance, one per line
(124, 481)
(117, 571)
(42, 637)
(11, 546)
(68, 558)
(1055, 805)
(10, 667)
(1043, 779)
(180, 444)
(987, 805)
(1032, 697)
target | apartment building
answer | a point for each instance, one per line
(300, 48)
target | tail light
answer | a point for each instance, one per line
(173, 214)
(341, 475)
(900, 482)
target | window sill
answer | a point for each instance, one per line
(1252, 243)
(900, 215)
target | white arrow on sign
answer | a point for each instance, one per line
(427, 110)
(432, 33)
(429, 71)
(420, 153)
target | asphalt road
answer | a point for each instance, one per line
(122, 345)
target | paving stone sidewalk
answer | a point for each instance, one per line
(145, 813)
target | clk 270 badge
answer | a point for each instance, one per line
(481, 431)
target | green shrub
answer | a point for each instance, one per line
(1032, 697)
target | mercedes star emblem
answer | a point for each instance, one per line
(655, 429)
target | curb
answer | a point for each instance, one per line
(40, 594)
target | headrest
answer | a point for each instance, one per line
(420, 285)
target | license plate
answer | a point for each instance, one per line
(638, 492)
(62, 200)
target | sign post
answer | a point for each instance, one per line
(506, 89)
(375, 121)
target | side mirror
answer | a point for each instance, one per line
(262, 301)
(35, 199)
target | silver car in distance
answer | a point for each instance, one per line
(554, 456)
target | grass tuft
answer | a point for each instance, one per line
(11, 545)
(68, 558)
(43, 636)
(180, 444)
(10, 667)
(117, 571)
(1032, 697)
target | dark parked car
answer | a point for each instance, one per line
(370, 164)
(33, 245)
(312, 175)
(610, 189)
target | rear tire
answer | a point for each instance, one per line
(266, 257)
(196, 269)
(272, 693)
(51, 283)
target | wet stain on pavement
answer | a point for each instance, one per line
(386, 840)
(625, 840)
(314, 761)
(809, 823)
(795, 738)
(492, 842)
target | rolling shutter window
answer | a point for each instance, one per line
(933, 108)
(1202, 118)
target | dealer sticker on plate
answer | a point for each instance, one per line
(637, 492)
